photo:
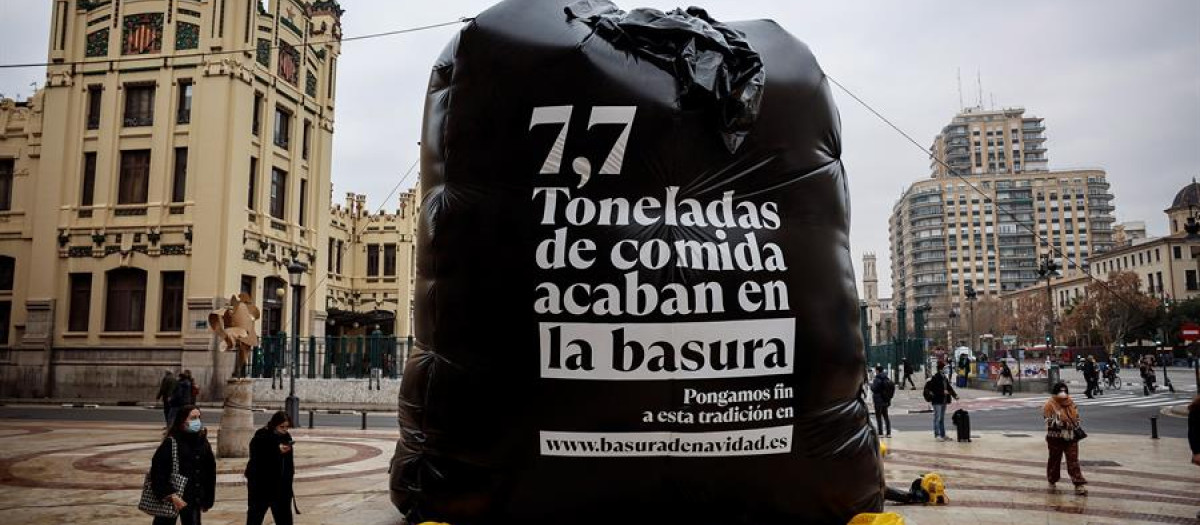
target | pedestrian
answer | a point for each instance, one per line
(270, 472)
(939, 392)
(1091, 376)
(182, 394)
(908, 372)
(1148, 376)
(1062, 425)
(1194, 432)
(1005, 381)
(165, 388)
(187, 440)
(882, 392)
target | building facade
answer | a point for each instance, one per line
(370, 273)
(880, 314)
(179, 153)
(1168, 267)
(987, 228)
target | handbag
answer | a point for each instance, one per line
(152, 504)
(1078, 434)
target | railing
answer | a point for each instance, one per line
(332, 357)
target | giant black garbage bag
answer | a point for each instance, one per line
(634, 299)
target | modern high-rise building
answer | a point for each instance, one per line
(179, 153)
(986, 216)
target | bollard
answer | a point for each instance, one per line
(1153, 427)
(364, 419)
(310, 419)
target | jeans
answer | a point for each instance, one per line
(881, 418)
(281, 510)
(190, 515)
(939, 420)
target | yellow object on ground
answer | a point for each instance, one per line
(883, 449)
(936, 488)
(871, 518)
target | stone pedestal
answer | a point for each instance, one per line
(237, 419)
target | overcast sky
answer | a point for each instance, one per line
(1118, 83)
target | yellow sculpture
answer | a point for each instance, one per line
(235, 325)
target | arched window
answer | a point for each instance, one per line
(125, 302)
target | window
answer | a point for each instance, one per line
(139, 106)
(253, 183)
(5, 321)
(80, 302)
(256, 124)
(248, 285)
(93, 106)
(283, 125)
(6, 183)
(184, 112)
(372, 260)
(303, 199)
(88, 190)
(8, 267)
(278, 192)
(306, 139)
(1190, 278)
(341, 246)
(135, 177)
(125, 304)
(171, 318)
(179, 181)
(389, 260)
(332, 247)
(1178, 252)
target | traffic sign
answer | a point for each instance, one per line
(1189, 332)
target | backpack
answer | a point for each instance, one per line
(928, 391)
(889, 389)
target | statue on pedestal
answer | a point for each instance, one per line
(234, 324)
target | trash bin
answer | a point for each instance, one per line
(1052, 376)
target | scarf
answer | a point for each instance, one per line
(1062, 416)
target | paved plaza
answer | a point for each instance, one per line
(54, 472)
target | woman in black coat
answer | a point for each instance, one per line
(270, 472)
(196, 463)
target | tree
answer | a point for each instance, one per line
(1029, 318)
(1118, 307)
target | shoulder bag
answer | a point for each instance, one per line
(152, 504)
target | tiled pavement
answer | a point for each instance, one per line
(80, 472)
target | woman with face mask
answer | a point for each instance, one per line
(186, 440)
(1062, 421)
(270, 472)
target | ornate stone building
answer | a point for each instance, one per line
(179, 153)
(370, 272)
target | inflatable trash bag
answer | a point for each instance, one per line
(634, 300)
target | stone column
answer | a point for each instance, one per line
(237, 419)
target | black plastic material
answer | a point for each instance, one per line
(535, 101)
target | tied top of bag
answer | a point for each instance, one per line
(713, 64)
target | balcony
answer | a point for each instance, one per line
(923, 247)
(1035, 126)
(926, 211)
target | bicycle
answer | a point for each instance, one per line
(1112, 382)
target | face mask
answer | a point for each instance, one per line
(194, 426)
(1062, 395)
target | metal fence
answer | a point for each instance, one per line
(890, 354)
(332, 357)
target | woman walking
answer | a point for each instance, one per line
(1062, 438)
(187, 441)
(270, 471)
(1005, 381)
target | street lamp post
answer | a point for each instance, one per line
(971, 295)
(292, 404)
(1047, 270)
